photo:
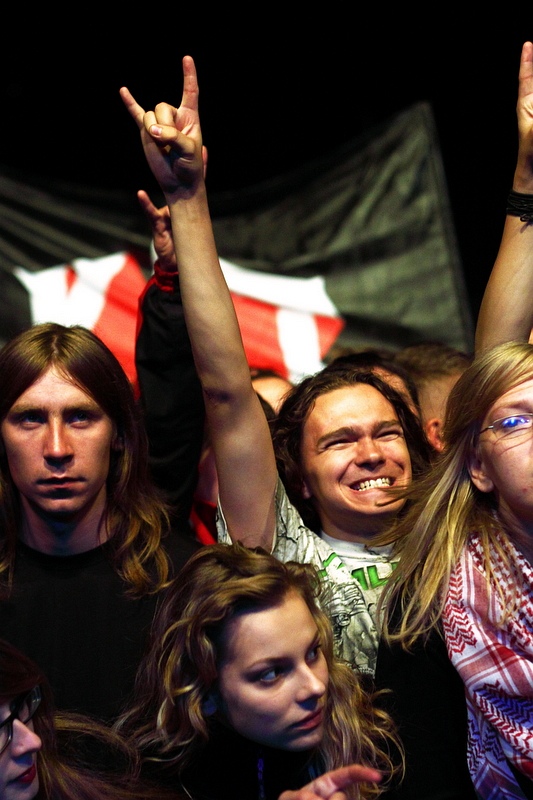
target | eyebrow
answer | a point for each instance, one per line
(514, 409)
(351, 430)
(272, 661)
(267, 661)
(27, 406)
(83, 405)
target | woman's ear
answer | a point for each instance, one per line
(478, 473)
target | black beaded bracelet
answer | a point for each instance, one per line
(520, 205)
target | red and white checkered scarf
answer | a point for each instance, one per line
(496, 665)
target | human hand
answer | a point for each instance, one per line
(159, 219)
(523, 179)
(172, 137)
(331, 784)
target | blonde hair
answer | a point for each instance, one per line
(446, 507)
(180, 669)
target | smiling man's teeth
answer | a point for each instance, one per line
(373, 484)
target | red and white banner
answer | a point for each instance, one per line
(358, 244)
(102, 294)
(287, 324)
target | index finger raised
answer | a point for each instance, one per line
(135, 110)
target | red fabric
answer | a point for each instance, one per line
(203, 514)
(259, 331)
(117, 324)
(493, 653)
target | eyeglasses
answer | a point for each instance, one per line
(22, 708)
(508, 427)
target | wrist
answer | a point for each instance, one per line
(165, 279)
(520, 204)
(523, 176)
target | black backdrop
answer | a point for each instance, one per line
(279, 84)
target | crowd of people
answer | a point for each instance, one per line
(234, 587)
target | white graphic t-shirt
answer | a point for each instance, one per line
(352, 576)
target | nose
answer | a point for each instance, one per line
(368, 451)
(57, 445)
(312, 686)
(24, 740)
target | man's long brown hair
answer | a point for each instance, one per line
(135, 516)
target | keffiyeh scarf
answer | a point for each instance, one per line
(496, 665)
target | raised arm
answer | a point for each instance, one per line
(506, 311)
(239, 430)
(170, 393)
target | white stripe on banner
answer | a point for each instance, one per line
(299, 294)
(52, 300)
(298, 339)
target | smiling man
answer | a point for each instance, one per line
(84, 546)
(342, 441)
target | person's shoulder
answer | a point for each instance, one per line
(180, 544)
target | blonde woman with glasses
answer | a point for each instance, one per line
(465, 552)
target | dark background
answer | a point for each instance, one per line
(280, 84)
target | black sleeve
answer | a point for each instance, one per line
(170, 393)
(427, 702)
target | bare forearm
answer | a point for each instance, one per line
(506, 311)
(209, 312)
(239, 431)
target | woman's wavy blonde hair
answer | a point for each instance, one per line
(446, 507)
(180, 670)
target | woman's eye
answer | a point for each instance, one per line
(270, 675)
(513, 422)
(314, 652)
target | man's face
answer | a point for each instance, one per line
(58, 444)
(353, 449)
